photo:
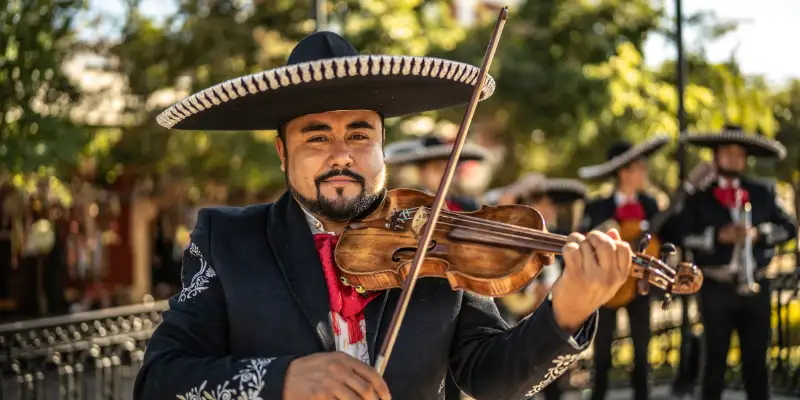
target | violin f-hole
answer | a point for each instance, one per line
(407, 253)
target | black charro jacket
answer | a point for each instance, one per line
(254, 299)
(702, 216)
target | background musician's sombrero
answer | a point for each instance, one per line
(756, 145)
(527, 189)
(621, 154)
(559, 190)
(429, 148)
(325, 73)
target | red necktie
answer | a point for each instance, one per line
(727, 196)
(344, 299)
(629, 211)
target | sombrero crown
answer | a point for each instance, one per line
(324, 73)
(756, 145)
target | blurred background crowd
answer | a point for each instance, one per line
(98, 200)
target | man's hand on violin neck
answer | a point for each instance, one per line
(595, 267)
(334, 375)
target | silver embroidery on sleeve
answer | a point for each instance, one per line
(561, 364)
(250, 380)
(200, 280)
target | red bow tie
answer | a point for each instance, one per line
(630, 211)
(344, 299)
(727, 196)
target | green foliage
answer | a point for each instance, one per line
(36, 38)
(543, 92)
(208, 42)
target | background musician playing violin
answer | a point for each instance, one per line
(262, 313)
(630, 208)
(716, 242)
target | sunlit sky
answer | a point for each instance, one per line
(763, 43)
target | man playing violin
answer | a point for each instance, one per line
(715, 239)
(429, 154)
(628, 206)
(262, 314)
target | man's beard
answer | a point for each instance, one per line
(728, 173)
(340, 209)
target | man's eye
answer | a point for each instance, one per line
(317, 139)
(359, 136)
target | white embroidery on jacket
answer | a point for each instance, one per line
(561, 364)
(251, 381)
(200, 280)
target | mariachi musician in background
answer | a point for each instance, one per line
(551, 197)
(733, 228)
(429, 154)
(629, 209)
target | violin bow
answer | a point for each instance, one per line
(427, 234)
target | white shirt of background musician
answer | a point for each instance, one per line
(621, 199)
(736, 184)
(359, 350)
(725, 183)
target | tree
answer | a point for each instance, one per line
(206, 42)
(543, 92)
(36, 39)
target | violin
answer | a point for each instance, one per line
(494, 251)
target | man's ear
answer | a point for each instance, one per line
(281, 149)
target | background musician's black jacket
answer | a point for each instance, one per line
(603, 209)
(702, 216)
(254, 298)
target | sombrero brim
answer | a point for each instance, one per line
(469, 152)
(755, 145)
(560, 191)
(641, 150)
(390, 85)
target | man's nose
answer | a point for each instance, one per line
(341, 155)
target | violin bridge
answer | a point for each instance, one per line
(418, 223)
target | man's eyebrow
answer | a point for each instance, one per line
(316, 127)
(360, 125)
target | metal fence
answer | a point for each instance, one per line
(96, 355)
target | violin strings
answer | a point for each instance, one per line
(529, 232)
(653, 271)
(524, 233)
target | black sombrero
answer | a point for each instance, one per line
(621, 154)
(559, 190)
(756, 145)
(429, 148)
(325, 73)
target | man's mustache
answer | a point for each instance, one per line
(340, 172)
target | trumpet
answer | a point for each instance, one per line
(743, 264)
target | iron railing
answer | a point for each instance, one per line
(95, 355)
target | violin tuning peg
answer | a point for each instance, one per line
(669, 254)
(666, 301)
(644, 242)
(643, 287)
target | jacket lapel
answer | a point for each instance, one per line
(293, 245)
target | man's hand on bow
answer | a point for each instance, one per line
(333, 375)
(595, 267)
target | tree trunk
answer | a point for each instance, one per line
(143, 211)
